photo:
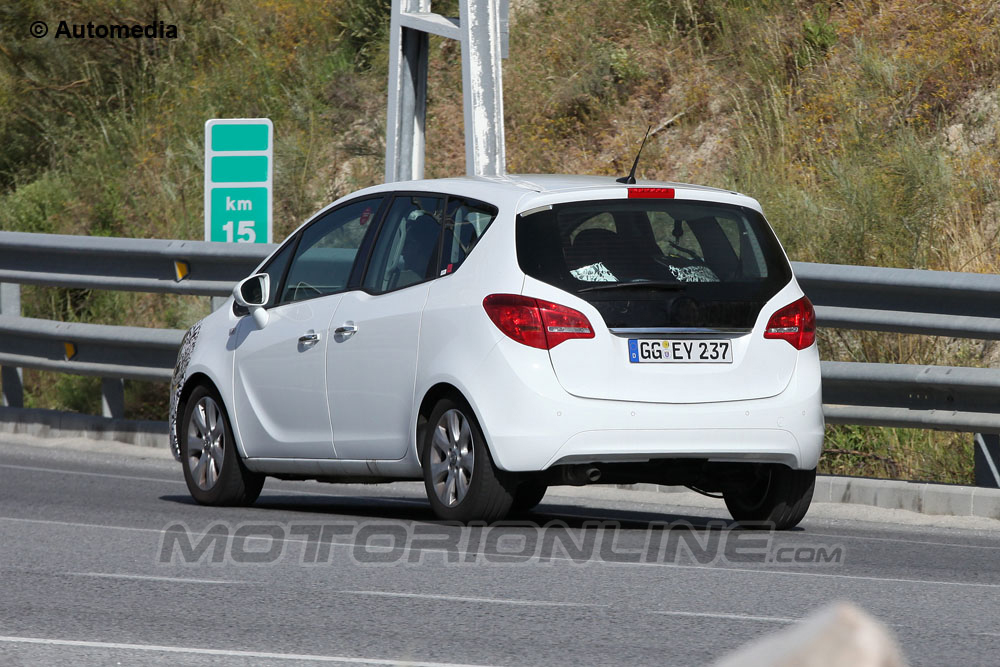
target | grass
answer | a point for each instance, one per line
(869, 130)
(895, 453)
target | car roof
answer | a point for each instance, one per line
(527, 190)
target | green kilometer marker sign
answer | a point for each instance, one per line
(239, 167)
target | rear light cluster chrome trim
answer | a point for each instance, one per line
(794, 324)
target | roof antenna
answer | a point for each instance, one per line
(630, 179)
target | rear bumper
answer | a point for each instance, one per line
(714, 444)
(531, 423)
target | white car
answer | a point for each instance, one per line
(495, 337)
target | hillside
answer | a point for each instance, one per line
(868, 129)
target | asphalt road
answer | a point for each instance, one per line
(361, 575)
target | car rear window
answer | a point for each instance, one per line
(657, 263)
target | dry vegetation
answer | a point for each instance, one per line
(869, 130)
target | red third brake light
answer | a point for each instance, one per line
(650, 193)
(534, 322)
(795, 323)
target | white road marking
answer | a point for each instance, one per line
(73, 524)
(457, 598)
(807, 534)
(86, 473)
(706, 568)
(821, 575)
(901, 540)
(547, 603)
(737, 617)
(146, 577)
(136, 478)
(233, 654)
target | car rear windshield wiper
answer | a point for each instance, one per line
(642, 284)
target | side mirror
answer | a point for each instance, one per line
(253, 293)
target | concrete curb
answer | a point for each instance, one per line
(55, 424)
(920, 497)
(923, 497)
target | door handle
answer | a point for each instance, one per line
(346, 330)
(309, 338)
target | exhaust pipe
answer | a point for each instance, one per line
(579, 475)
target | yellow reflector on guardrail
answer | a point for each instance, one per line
(70, 350)
(181, 269)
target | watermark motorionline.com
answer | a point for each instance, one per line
(379, 544)
(91, 30)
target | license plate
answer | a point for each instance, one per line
(683, 351)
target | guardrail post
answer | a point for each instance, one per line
(11, 379)
(987, 456)
(113, 398)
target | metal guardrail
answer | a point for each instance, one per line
(853, 297)
(933, 303)
(114, 353)
(933, 397)
(132, 353)
(133, 265)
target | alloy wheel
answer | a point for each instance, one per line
(206, 443)
(452, 457)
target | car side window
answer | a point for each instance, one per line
(276, 270)
(327, 250)
(406, 250)
(465, 222)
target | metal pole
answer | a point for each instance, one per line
(482, 31)
(405, 118)
(482, 87)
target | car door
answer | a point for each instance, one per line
(280, 370)
(372, 354)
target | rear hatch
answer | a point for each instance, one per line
(679, 288)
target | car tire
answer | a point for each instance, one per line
(527, 496)
(462, 482)
(214, 472)
(778, 497)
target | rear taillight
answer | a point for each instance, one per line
(795, 323)
(534, 322)
(562, 323)
(518, 317)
